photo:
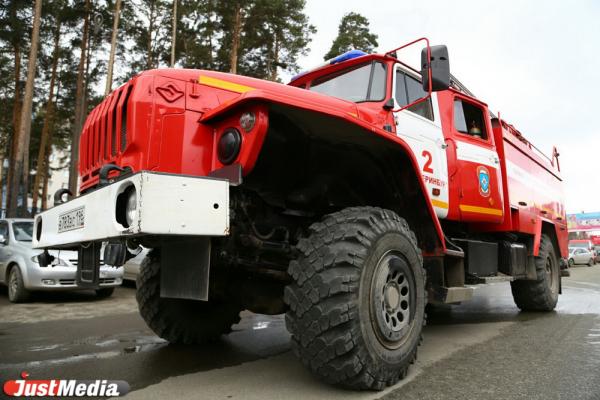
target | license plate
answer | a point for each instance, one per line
(70, 220)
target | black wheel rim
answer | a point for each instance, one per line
(393, 299)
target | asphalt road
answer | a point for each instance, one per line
(484, 349)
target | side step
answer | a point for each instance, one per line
(449, 295)
(478, 280)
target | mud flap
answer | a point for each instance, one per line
(184, 268)
(88, 265)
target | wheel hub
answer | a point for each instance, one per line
(391, 295)
(393, 299)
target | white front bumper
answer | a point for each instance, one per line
(166, 205)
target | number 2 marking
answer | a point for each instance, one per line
(427, 167)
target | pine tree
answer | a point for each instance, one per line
(15, 18)
(22, 139)
(197, 32)
(151, 33)
(272, 35)
(79, 100)
(113, 47)
(353, 33)
(281, 36)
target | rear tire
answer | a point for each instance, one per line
(591, 262)
(571, 263)
(357, 301)
(180, 320)
(16, 287)
(541, 294)
(104, 292)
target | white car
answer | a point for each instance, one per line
(21, 272)
(131, 269)
(580, 255)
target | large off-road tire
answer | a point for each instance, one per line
(357, 300)
(541, 294)
(17, 293)
(180, 320)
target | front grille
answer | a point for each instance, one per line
(104, 135)
(107, 280)
(66, 281)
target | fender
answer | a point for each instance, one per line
(310, 104)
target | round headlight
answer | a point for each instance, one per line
(229, 145)
(247, 121)
(131, 206)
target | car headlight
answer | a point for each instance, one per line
(247, 121)
(56, 261)
(131, 206)
(229, 146)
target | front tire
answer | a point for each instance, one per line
(180, 320)
(571, 263)
(541, 294)
(357, 301)
(16, 287)
(591, 262)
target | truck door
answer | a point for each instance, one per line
(420, 126)
(477, 162)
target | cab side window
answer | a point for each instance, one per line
(469, 119)
(409, 89)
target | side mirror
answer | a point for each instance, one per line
(440, 68)
(3, 240)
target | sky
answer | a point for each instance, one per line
(536, 62)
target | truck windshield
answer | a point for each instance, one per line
(360, 83)
(23, 231)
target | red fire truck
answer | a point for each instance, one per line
(347, 199)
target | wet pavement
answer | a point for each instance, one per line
(485, 348)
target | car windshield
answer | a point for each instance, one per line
(23, 231)
(360, 83)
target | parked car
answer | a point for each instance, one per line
(131, 269)
(580, 255)
(21, 272)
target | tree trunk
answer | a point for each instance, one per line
(45, 183)
(275, 61)
(149, 58)
(45, 138)
(113, 46)
(1, 184)
(174, 34)
(16, 121)
(79, 103)
(235, 42)
(25, 122)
